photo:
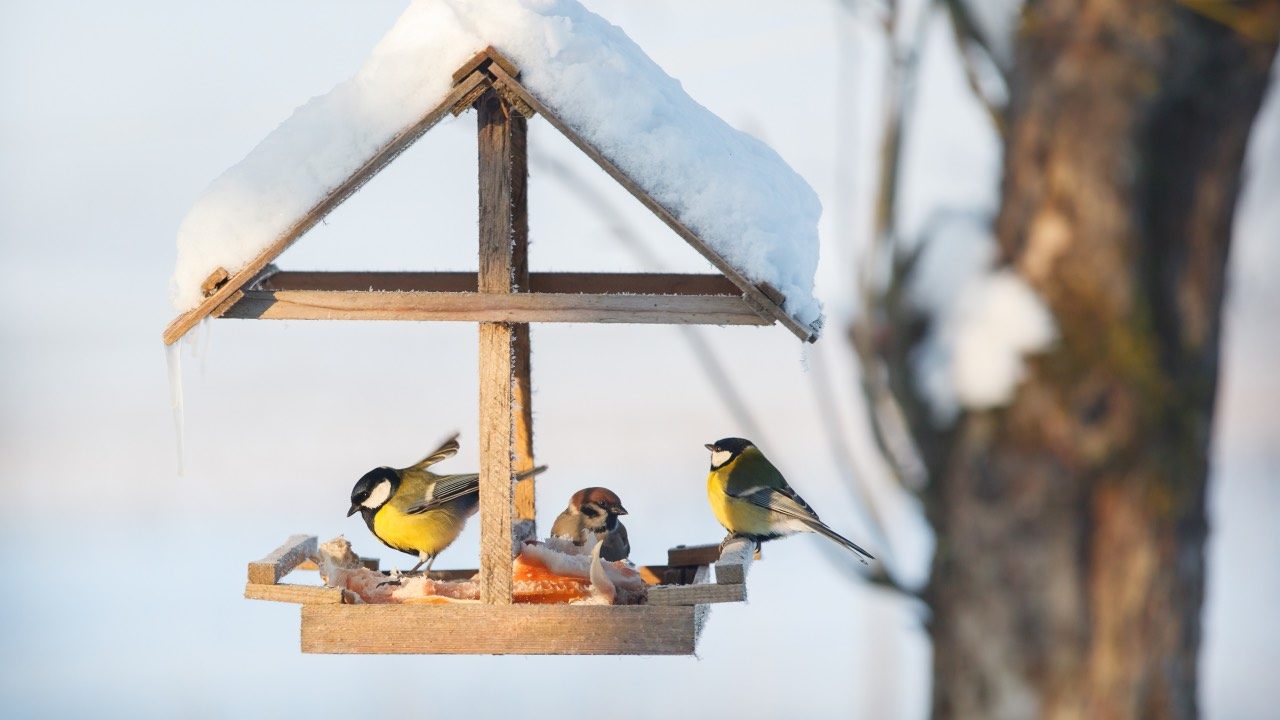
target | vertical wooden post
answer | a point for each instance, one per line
(503, 265)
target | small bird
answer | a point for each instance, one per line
(595, 510)
(752, 500)
(415, 511)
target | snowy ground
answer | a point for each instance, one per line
(118, 119)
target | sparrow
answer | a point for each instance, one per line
(595, 511)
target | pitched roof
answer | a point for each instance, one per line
(733, 198)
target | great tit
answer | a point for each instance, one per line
(416, 511)
(751, 499)
(595, 510)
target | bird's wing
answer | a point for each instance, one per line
(783, 501)
(446, 489)
(788, 503)
(447, 449)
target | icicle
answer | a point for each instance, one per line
(205, 331)
(173, 357)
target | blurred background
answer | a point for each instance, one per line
(126, 574)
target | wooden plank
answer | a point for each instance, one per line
(522, 392)
(696, 594)
(735, 560)
(479, 59)
(183, 323)
(282, 560)
(682, 555)
(509, 68)
(501, 169)
(546, 282)
(499, 630)
(481, 307)
(757, 297)
(214, 281)
(496, 466)
(301, 594)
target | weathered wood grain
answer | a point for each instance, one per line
(503, 226)
(682, 555)
(499, 630)
(461, 282)
(282, 560)
(301, 594)
(482, 307)
(735, 560)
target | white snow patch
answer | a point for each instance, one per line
(730, 188)
(983, 322)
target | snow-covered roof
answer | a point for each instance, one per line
(737, 194)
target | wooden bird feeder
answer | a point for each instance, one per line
(503, 297)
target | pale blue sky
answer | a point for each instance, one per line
(117, 116)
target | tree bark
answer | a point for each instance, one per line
(1069, 572)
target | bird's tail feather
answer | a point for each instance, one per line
(822, 529)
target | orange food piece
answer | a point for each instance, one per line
(533, 583)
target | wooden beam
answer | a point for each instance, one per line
(503, 234)
(735, 560)
(183, 323)
(282, 560)
(697, 592)
(525, 527)
(482, 307)
(300, 594)
(545, 282)
(686, 555)
(758, 298)
(472, 629)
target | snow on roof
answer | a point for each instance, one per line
(732, 190)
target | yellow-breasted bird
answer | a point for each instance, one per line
(415, 511)
(595, 510)
(751, 499)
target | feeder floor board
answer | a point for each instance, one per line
(502, 630)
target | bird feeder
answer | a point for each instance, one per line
(503, 297)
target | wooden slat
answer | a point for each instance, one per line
(301, 594)
(682, 555)
(696, 594)
(183, 323)
(758, 297)
(282, 560)
(481, 307)
(735, 560)
(522, 391)
(501, 167)
(547, 282)
(499, 630)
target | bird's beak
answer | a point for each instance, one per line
(355, 508)
(711, 447)
(619, 510)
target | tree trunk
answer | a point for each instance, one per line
(1069, 572)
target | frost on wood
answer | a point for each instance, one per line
(983, 322)
(735, 192)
